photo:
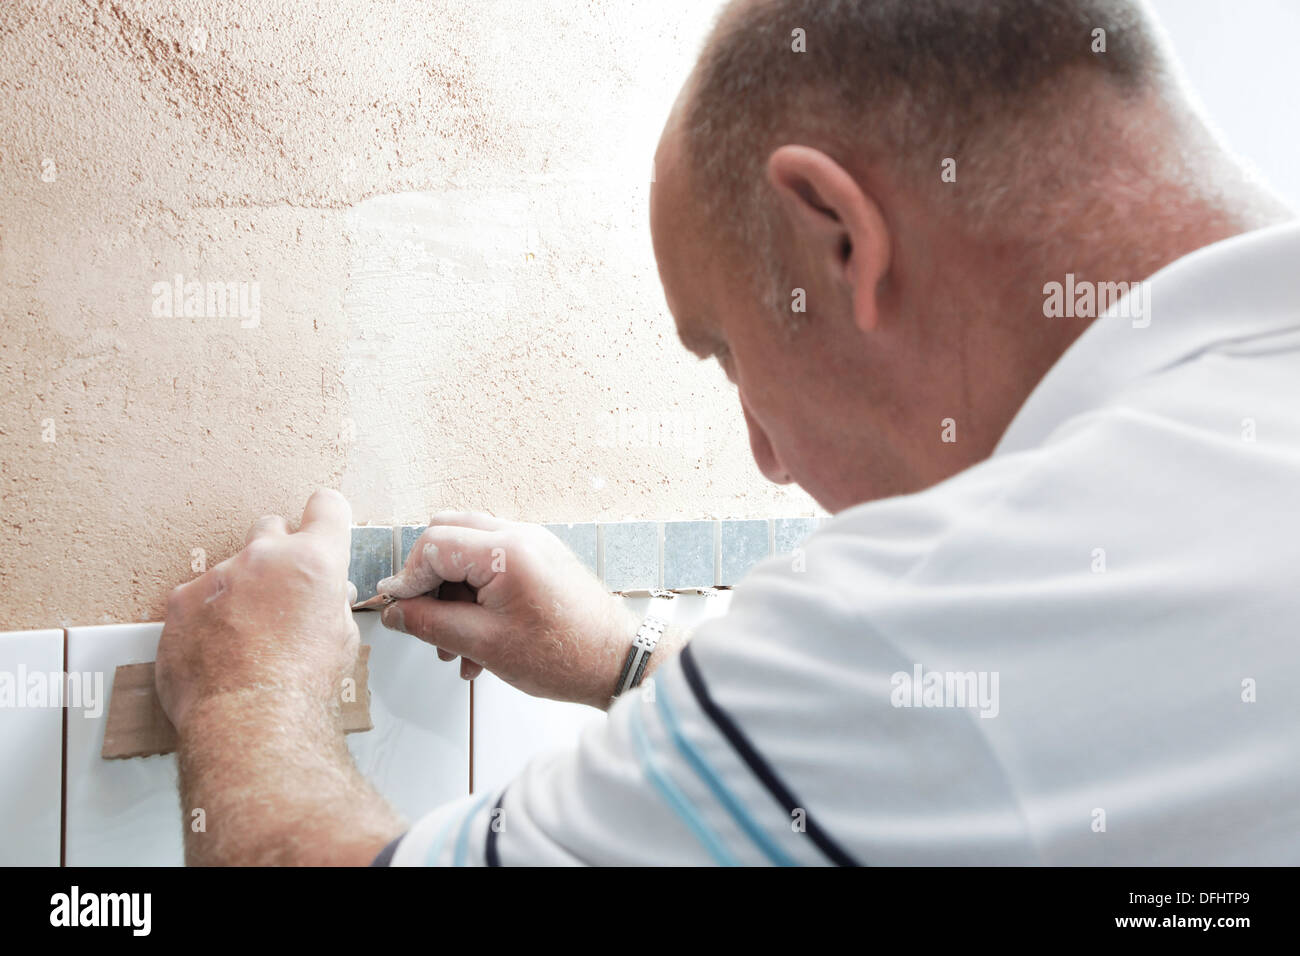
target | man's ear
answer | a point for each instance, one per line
(839, 225)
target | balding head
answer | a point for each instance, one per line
(898, 179)
(1010, 90)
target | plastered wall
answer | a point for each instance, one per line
(433, 215)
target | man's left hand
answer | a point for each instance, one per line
(273, 619)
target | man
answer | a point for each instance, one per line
(1053, 618)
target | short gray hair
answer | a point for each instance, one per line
(902, 82)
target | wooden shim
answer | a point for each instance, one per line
(138, 727)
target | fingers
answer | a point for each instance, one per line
(329, 515)
(266, 525)
(468, 669)
(352, 594)
(203, 589)
(446, 553)
(456, 591)
(416, 577)
(461, 554)
(458, 628)
(469, 519)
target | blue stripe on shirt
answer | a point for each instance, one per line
(462, 838)
(729, 800)
(673, 796)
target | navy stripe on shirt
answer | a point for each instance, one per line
(760, 767)
(385, 857)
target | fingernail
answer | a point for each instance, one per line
(392, 617)
(386, 585)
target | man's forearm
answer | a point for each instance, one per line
(266, 778)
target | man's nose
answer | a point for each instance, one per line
(765, 455)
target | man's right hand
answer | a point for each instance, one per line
(512, 598)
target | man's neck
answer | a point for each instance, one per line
(1013, 334)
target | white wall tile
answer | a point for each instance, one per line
(126, 812)
(120, 812)
(418, 754)
(692, 609)
(510, 728)
(31, 747)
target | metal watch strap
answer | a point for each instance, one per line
(638, 656)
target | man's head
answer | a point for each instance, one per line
(857, 205)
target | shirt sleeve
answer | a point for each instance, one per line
(779, 735)
(655, 784)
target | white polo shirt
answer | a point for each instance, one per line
(1084, 650)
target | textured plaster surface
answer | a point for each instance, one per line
(443, 207)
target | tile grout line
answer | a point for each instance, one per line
(393, 566)
(471, 736)
(661, 551)
(600, 551)
(717, 553)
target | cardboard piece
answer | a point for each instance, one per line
(138, 727)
